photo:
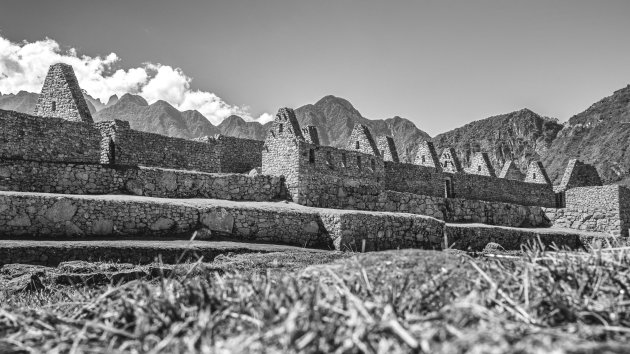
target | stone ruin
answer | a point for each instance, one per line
(61, 96)
(342, 192)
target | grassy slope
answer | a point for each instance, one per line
(395, 301)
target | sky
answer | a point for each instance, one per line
(439, 63)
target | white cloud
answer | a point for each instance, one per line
(23, 66)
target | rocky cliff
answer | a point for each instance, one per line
(521, 136)
(599, 136)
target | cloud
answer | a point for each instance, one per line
(23, 67)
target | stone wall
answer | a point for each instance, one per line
(48, 177)
(350, 230)
(429, 181)
(50, 215)
(275, 225)
(599, 208)
(133, 148)
(28, 137)
(28, 214)
(237, 155)
(308, 168)
(340, 193)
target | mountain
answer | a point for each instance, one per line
(22, 102)
(159, 117)
(97, 105)
(522, 136)
(198, 125)
(335, 118)
(599, 136)
(238, 127)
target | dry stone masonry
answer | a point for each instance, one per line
(427, 156)
(106, 179)
(61, 96)
(449, 161)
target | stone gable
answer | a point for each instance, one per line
(536, 173)
(449, 161)
(387, 148)
(61, 96)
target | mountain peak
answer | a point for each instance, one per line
(112, 100)
(133, 99)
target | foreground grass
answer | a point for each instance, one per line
(396, 301)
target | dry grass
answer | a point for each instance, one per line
(396, 301)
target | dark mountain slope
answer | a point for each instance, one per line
(600, 136)
(238, 127)
(159, 117)
(23, 102)
(522, 136)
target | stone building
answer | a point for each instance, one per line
(61, 96)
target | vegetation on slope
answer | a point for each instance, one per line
(395, 301)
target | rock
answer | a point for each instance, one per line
(134, 187)
(311, 228)
(256, 171)
(25, 283)
(62, 210)
(162, 224)
(220, 220)
(21, 220)
(103, 227)
(203, 234)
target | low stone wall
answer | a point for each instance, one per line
(276, 225)
(50, 215)
(598, 208)
(341, 193)
(351, 230)
(475, 237)
(47, 177)
(464, 210)
(162, 183)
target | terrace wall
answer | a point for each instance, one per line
(49, 177)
